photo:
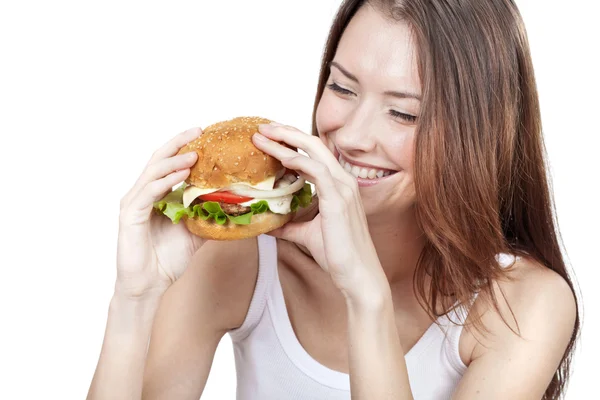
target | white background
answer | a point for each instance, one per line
(88, 90)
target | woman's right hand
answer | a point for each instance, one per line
(152, 252)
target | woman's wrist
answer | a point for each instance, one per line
(370, 294)
(136, 291)
(133, 313)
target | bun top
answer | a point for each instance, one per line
(227, 155)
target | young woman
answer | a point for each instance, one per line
(429, 268)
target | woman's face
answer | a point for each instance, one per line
(367, 114)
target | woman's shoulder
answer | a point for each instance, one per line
(530, 286)
(534, 303)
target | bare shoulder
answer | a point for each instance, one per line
(522, 343)
(536, 305)
(220, 280)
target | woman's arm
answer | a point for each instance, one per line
(339, 240)
(184, 326)
(211, 299)
(121, 365)
(377, 366)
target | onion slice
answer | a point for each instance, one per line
(244, 190)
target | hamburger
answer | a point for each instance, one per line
(234, 190)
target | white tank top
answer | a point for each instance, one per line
(272, 364)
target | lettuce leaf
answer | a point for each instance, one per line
(243, 219)
(212, 209)
(172, 206)
(302, 198)
(260, 207)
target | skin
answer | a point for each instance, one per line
(346, 272)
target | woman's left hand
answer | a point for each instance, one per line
(338, 237)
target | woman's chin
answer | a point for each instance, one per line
(391, 205)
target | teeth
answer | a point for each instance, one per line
(363, 173)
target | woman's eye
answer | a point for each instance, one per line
(402, 116)
(337, 88)
(395, 114)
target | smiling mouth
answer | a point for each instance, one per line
(362, 172)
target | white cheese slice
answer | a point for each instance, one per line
(278, 205)
(191, 192)
(267, 184)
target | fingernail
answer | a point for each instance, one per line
(191, 155)
(260, 138)
(273, 123)
(263, 126)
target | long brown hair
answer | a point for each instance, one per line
(480, 162)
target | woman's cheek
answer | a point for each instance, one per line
(331, 114)
(400, 147)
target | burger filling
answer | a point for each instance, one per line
(238, 202)
(228, 208)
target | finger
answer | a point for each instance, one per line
(173, 146)
(169, 149)
(164, 167)
(292, 231)
(157, 189)
(159, 170)
(312, 145)
(282, 153)
(317, 173)
(273, 148)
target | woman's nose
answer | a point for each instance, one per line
(356, 136)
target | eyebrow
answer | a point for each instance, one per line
(400, 95)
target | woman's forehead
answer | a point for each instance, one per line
(375, 48)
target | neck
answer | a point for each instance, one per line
(399, 242)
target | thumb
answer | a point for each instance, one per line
(292, 231)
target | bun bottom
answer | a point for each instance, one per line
(261, 223)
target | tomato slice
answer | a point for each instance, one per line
(225, 197)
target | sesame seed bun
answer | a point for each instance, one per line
(261, 223)
(227, 155)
